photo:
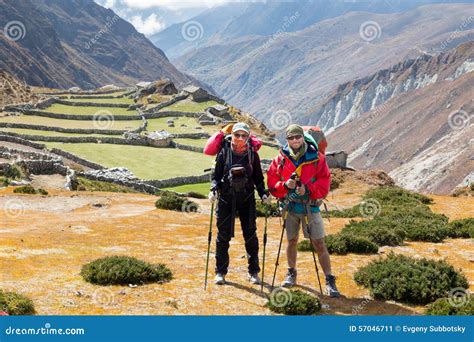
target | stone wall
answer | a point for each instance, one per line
(165, 183)
(154, 115)
(77, 159)
(138, 185)
(43, 167)
(67, 92)
(191, 135)
(65, 130)
(91, 104)
(46, 103)
(188, 147)
(336, 159)
(166, 103)
(11, 153)
(104, 140)
(18, 140)
(77, 116)
(37, 163)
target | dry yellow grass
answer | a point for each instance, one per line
(42, 251)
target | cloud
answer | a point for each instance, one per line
(152, 24)
(108, 3)
(172, 4)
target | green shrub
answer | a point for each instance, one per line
(171, 201)
(122, 270)
(84, 184)
(349, 243)
(295, 302)
(380, 230)
(304, 246)
(391, 227)
(345, 213)
(26, 189)
(194, 194)
(4, 181)
(16, 304)
(360, 244)
(342, 244)
(396, 196)
(42, 192)
(461, 228)
(442, 307)
(266, 209)
(406, 279)
(13, 172)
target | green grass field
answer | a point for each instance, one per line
(88, 124)
(202, 188)
(192, 142)
(160, 123)
(117, 93)
(86, 110)
(145, 162)
(189, 106)
(121, 100)
(52, 133)
(265, 152)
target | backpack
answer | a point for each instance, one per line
(318, 136)
(216, 141)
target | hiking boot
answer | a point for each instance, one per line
(254, 278)
(219, 279)
(290, 278)
(331, 287)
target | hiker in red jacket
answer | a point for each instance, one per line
(303, 196)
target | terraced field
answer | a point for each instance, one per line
(83, 124)
(119, 100)
(50, 133)
(189, 106)
(190, 125)
(87, 110)
(145, 162)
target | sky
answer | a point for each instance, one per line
(152, 16)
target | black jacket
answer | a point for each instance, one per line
(220, 179)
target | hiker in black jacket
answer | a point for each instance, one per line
(236, 175)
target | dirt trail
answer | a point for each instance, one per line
(44, 241)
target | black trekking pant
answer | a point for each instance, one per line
(245, 209)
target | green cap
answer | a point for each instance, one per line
(294, 130)
(241, 126)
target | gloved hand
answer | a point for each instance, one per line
(212, 196)
(290, 183)
(301, 190)
(267, 199)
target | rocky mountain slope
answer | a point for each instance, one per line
(363, 95)
(238, 19)
(61, 44)
(13, 91)
(423, 137)
(294, 72)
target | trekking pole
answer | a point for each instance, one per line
(279, 249)
(305, 213)
(312, 250)
(209, 238)
(264, 245)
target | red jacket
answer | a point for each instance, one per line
(314, 173)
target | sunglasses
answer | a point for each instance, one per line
(297, 137)
(243, 136)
